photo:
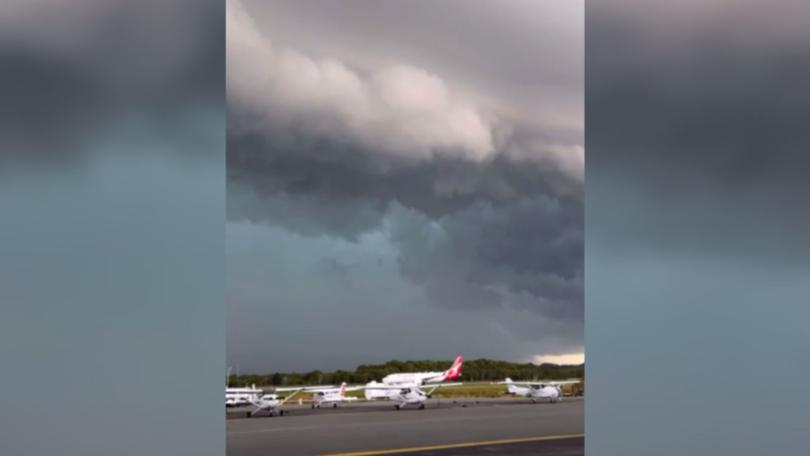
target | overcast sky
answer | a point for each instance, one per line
(405, 180)
(698, 228)
(111, 236)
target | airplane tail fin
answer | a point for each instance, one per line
(455, 370)
(510, 387)
(343, 389)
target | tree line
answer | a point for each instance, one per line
(473, 371)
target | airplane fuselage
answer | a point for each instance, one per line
(408, 396)
(548, 393)
(269, 403)
(403, 387)
(417, 378)
(320, 399)
(235, 397)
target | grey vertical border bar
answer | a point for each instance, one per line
(698, 228)
(112, 210)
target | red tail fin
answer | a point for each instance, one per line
(455, 370)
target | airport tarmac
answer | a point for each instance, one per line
(483, 426)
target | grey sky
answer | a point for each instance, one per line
(403, 180)
(112, 196)
(698, 247)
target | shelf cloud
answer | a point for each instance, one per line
(467, 170)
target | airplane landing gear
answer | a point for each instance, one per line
(334, 405)
(421, 406)
(396, 406)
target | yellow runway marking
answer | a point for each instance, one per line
(458, 445)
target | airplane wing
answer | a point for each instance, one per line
(406, 385)
(306, 388)
(386, 387)
(319, 389)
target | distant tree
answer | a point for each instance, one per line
(474, 370)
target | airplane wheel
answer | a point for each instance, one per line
(421, 406)
(396, 407)
(334, 405)
(281, 413)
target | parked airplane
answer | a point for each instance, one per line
(235, 397)
(271, 403)
(326, 394)
(403, 394)
(407, 379)
(548, 391)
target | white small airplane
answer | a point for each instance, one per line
(403, 394)
(543, 390)
(235, 397)
(271, 403)
(404, 388)
(326, 394)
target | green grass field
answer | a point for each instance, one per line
(470, 390)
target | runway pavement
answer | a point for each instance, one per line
(443, 428)
(556, 446)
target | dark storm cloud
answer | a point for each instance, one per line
(70, 70)
(697, 225)
(111, 239)
(271, 163)
(503, 223)
(730, 103)
(360, 308)
(527, 254)
(473, 176)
